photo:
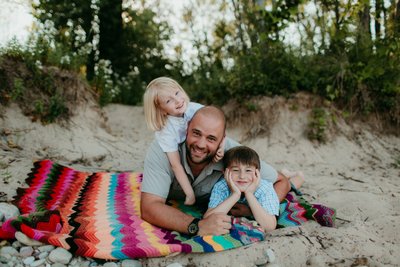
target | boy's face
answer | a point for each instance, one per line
(242, 175)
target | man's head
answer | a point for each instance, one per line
(205, 132)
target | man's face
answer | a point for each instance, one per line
(204, 135)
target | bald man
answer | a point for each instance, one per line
(205, 132)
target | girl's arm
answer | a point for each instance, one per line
(266, 220)
(228, 203)
(220, 152)
(181, 176)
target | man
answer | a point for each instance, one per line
(205, 132)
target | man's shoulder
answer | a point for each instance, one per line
(154, 146)
(230, 143)
(155, 151)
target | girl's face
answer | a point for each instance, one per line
(242, 175)
(173, 102)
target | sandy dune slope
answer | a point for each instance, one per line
(357, 173)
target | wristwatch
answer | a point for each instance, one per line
(193, 227)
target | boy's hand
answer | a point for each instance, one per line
(220, 152)
(254, 184)
(230, 182)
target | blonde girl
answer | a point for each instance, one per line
(168, 110)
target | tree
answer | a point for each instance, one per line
(129, 38)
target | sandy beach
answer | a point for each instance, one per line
(356, 172)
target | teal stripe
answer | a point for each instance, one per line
(224, 241)
(112, 217)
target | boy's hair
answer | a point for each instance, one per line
(243, 155)
(155, 118)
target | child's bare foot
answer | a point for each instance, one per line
(296, 178)
(190, 200)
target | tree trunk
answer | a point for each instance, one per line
(378, 18)
(111, 30)
(365, 21)
(397, 20)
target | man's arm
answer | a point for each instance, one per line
(155, 211)
(157, 179)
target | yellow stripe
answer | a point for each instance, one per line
(211, 242)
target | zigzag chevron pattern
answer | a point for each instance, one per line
(98, 215)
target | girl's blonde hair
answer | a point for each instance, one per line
(155, 118)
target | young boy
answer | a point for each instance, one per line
(243, 184)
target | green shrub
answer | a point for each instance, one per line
(18, 89)
(56, 108)
(318, 124)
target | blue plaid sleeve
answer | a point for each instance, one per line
(219, 193)
(267, 197)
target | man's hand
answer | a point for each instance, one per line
(215, 224)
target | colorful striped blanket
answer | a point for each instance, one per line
(98, 215)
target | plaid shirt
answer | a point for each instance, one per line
(265, 195)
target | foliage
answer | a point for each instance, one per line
(318, 124)
(338, 58)
(130, 40)
(38, 89)
(103, 83)
(348, 53)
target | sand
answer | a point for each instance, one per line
(356, 172)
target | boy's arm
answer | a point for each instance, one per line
(225, 206)
(266, 220)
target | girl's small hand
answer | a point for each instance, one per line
(230, 182)
(254, 183)
(220, 152)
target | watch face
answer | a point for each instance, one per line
(193, 228)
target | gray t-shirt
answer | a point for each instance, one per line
(159, 178)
